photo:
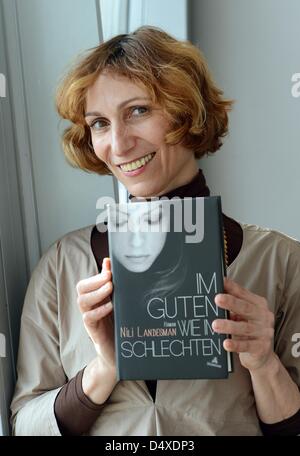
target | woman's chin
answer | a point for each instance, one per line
(142, 189)
(136, 269)
(137, 265)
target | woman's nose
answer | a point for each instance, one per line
(137, 239)
(122, 139)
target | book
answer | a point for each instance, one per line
(168, 263)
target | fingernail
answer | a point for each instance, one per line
(215, 324)
(219, 298)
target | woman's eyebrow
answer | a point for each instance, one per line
(96, 113)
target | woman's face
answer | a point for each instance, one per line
(139, 234)
(128, 135)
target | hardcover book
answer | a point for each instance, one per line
(167, 258)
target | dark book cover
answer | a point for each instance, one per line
(168, 264)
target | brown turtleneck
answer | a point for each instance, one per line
(75, 412)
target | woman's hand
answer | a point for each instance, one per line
(251, 325)
(96, 307)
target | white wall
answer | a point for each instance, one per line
(253, 50)
(45, 38)
(123, 16)
(13, 268)
(41, 197)
(170, 15)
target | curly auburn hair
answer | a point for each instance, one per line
(174, 73)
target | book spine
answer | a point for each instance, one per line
(116, 309)
(222, 231)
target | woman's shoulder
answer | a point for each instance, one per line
(78, 238)
(257, 231)
(264, 239)
(70, 246)
(267, 256)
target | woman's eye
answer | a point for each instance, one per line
(139, 110)
(98, 124)
(154, 218)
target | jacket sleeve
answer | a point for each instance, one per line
(287, 332)
(287, 322)
(39, 368)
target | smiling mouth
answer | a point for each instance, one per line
(136, 164)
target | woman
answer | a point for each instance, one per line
(144, 107)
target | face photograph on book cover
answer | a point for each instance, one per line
(148, 257)
(140, 235)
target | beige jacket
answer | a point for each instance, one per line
(54, 346)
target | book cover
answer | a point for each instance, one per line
(168, 264)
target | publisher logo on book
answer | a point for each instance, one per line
(214, 362)
(153, 216)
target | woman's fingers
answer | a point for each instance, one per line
(93, 283)
(94, 300)
(248, 310)
(96, 281)
(242, 328)
(255, 347)
(94, 295)
(88, 300)
(92, 317)
(234, 289)
(106, 266)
